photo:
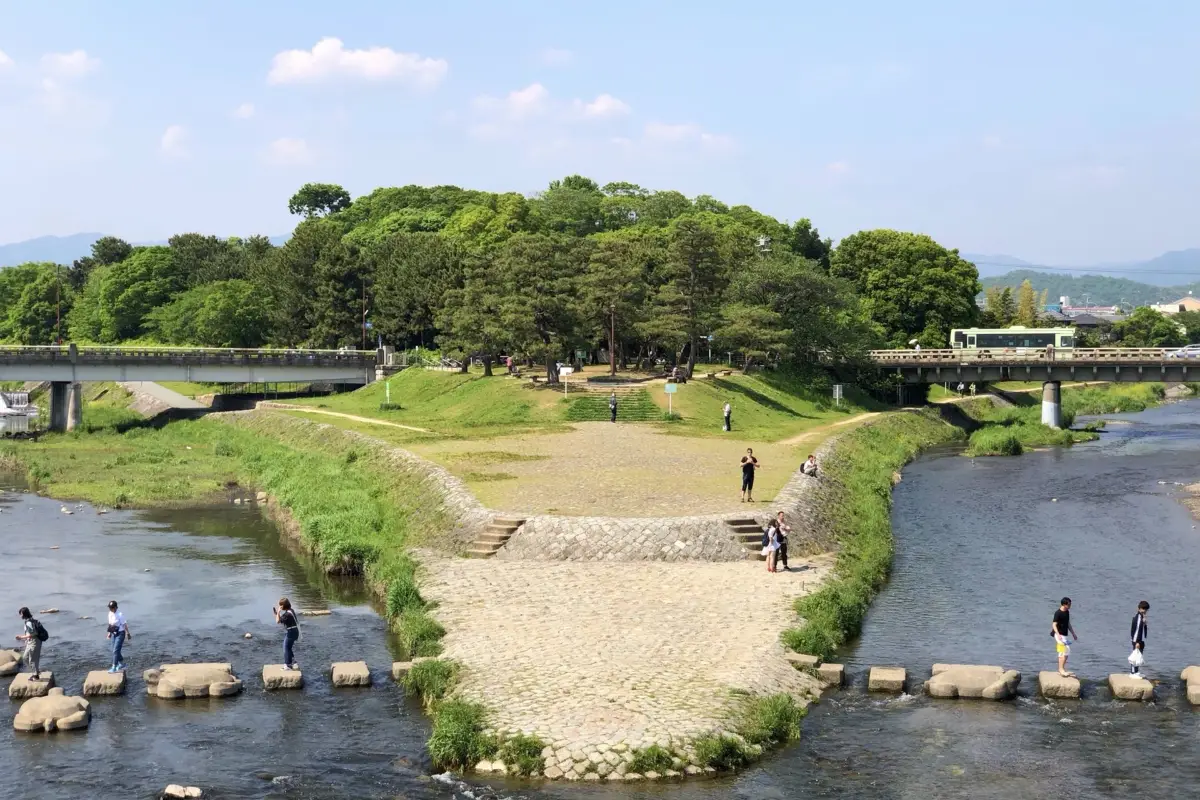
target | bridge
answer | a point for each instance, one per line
(1113, 364)
(66, 366)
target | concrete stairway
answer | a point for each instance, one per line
(633, 405)
(494, 536)
(748, 533)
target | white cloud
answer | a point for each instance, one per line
(75, 64)
(330, 59)
(837, 168)
(603, 107)
(685, 133)
(174, 142)
(5, 60)
(244, 111)
(556, 57)
(518, 104)
(289, 152)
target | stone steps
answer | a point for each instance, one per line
(632, 406)
(748, 533)
(494, 536)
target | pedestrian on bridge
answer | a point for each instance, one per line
(1059, 628)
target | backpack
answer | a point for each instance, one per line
(39, 630)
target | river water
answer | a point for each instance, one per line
(985, 549)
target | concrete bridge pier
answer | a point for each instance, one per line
(66, 405)
(1052, 404)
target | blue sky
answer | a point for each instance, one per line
(1060, 132)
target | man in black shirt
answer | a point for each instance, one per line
(749, 464)
(1059, 628)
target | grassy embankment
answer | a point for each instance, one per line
(862, 466)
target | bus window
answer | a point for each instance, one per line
(970, 340)
(1067, 341)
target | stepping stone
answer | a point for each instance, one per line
(176, 681)
(832, 674)
(1130, 687)
(103, 682)
(177, 791)
(1055, 686)
(886, 679)
(972, 680)
(55, 711)
(10, 662)
(24, 686)
(1191, 675)
(276, 677)
(351, 673)
(802, 660)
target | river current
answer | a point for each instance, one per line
(985, 548)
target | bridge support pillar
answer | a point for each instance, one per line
(1052, 404)
(60, 395)
(74, 406)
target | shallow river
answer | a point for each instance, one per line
(984, 553)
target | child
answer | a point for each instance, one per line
(1138, 630)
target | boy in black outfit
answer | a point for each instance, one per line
(1138, 629)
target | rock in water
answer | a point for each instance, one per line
(24, 686)
(1130, 687)
(351, 673)
(1055, 686)
(276, 677)
(10, 662)
(103, 682)
(886, 679)
(971, 680)
(176, 681)
(53, 712)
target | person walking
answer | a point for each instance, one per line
(286, 616)
(1138, 630)
(118, 633)
(771, 548)
(728, 417)
(784, 529)
(1059, 629)
(749, 464)
(962, 390)
(33, 637)
(612, 406)
(972, 389)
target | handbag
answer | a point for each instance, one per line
(1136, 659)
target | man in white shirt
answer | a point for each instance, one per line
(728, 414)
(118, 632)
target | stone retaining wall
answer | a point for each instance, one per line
(555, 538)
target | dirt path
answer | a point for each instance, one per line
(354, 417)
(808, 434)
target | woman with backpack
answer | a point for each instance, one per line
(771, 543)
(33, 637)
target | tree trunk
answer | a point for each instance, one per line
(465, 364)
(551, 369)
(487, 366)
(691, 362)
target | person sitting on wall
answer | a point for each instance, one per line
(809, 467)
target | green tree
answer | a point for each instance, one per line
(1146, 327)
(1191, 323)
(470, 317)
(105, 251)
(230, 313)
(128, 291)
(911, 285)
(572, 206)
(413, 273)
(288, 278)
(614, 289)
(341, 282)
(319, 199)
(1027, 307)
(30, 297)
(806, 242)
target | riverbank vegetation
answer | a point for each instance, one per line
(862, 467)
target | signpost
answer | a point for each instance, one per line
(563, 372)
(670, 389)
(838, 393)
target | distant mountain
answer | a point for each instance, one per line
(65, 249)
(1175, 268)
(1098, 290)
(59, 249)
(995, 265)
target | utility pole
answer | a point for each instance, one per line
(612, 339)
(364, 315)
(58, 304)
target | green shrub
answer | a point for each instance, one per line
(522, 755)
(990, 441)
(224, 449)
(722, 753)
(651, 759)
(431, 680)
(418, 633)
(773, 720)
(458, 740)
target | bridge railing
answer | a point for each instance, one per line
(23, 354)
(1023, 355)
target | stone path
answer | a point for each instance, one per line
(605, 657)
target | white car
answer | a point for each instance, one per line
(1191, 351)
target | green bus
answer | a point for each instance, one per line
(1016, 337)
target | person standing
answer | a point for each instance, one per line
(285, 616)
(118, 632)
(972, 390)
(749, 464)
(33, 637)
(1138, 630)
(771, 548)
(784, 529)
(1059, 629)
(728, 417)
(612, 406)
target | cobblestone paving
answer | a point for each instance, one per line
(598, 659)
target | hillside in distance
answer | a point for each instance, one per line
(1175, 268)
(65, 249)
(1097, 290)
